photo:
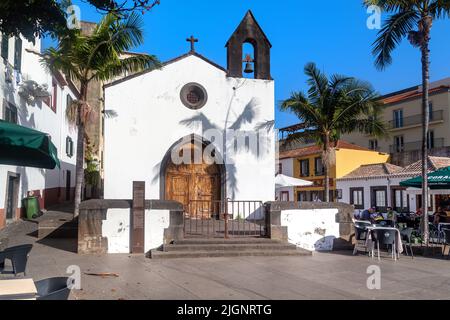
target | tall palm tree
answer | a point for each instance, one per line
(411, 19)
(333, 107)
(98, 56)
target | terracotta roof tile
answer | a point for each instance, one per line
(434, 163)
(311, 150)
(411, 94)
(370, 170)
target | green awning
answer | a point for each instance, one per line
(25, 147)
(436, 180)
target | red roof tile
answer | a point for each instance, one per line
(311, 150)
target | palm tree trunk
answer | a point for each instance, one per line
(425, 125)
(79, 176)
(326, 168)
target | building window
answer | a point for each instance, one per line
(302, 196)
(400, 200)
(285, 196)
(430, 109)
(339, 194)
(399, 144)
(194, 96)
(430, 140)
(18, 54)
(373, 144)
(69, 147)
(69, 101)
(10, 113)
(318, 165)
(379, 198)
(280, 168)
(357, 197)
(54, 95)
(304, 168)
(5, 47)
(398, 118)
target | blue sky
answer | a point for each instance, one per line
(331, 33)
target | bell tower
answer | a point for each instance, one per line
(249, 32)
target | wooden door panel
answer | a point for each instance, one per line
(177, 188)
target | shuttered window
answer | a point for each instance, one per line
(5, 47)
(18, 54)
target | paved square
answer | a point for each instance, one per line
(322, 276)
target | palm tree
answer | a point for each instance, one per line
(332, 107)
(96, 57)
(411, 19)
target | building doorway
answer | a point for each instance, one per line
(198, 180)
(12, 194)
(68, 185)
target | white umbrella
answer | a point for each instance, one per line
(282, 181)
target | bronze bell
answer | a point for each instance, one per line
(249, 67)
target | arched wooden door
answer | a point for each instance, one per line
(195, 185)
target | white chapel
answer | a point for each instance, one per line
(194, 130)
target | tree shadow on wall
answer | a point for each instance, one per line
(238, 125)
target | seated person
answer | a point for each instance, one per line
(366, 214)
(439, 216)
(376, 216)
(391, 214)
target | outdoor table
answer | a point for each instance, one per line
(18, 289)
(369, 241)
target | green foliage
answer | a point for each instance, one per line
(408, 20)
(37, 18)
(99, 56)
(335, 106)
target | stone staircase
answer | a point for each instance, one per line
(209, 248)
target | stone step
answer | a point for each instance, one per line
(229, 247)
(155, 254)
(212, 241)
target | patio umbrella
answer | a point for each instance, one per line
(282, 181)
(439, 179)
(25, 147)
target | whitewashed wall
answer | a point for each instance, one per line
(116, 228)
(313, 230)
(40, 117)
(148, 124)
(345, 186)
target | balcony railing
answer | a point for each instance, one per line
(412, 146)
(415, 120)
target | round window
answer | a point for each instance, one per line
(194, 96)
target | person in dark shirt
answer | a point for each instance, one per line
(366, 214)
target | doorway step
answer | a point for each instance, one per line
(211, 248)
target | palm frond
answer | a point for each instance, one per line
(126, 66)
(249, 113)
(395, 29)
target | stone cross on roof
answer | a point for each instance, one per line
(192, 40)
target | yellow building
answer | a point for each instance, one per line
(306, 163)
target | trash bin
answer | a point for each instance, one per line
(31, 207)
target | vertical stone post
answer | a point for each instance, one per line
(138, 218)
(274, 229)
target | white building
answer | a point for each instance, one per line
(19, 69)
(378, 185)
(193, 104)
(286, 167)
